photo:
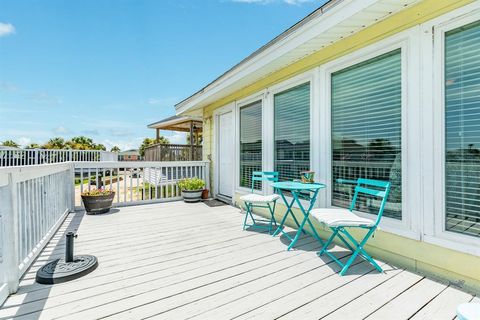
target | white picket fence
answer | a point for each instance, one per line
(35, 200)
(25, 157)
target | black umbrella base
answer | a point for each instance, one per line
(59, 271)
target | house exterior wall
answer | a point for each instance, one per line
(411, 250)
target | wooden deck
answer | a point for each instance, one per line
(179, 261)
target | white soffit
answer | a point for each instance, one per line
(343, 20)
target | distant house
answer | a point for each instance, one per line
(130, 155)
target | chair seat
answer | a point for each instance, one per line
(258, 198)
(337, 217)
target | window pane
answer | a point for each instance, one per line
(250, 143)
(462, 132)
(292, 132)
(366, 130)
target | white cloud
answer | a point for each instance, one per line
(6, 29)
(122, 144)
(61, 130)
(24, 141)
(44, 97)
(163, 102)
(91, 132)
(297, 2)
(7, 87)
(253, 1)
(121, 132)
(289, 2)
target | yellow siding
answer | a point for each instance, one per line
(208, 149)
(459, 268)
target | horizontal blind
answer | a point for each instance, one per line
(462, 121)
(292, 132)
(250, 143)
(366, 129)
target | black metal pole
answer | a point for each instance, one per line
(69, 248)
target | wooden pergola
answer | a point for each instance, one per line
(177, 152)
(192, 125)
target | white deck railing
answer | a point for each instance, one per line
(26, 157)
(137, 182)
(35, 200)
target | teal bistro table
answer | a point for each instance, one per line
(298, 191)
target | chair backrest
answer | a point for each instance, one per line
(271, 176)
(377, 188)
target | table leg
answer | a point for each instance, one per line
(306, 218)
(289, 206)
(289, 211)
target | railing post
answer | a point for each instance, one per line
(9, 217)
(71, 176)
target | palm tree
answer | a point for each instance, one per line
(33, 146)
(115, 149)
(99, 147)
(55, 143)
(10, 143)
(81, 143)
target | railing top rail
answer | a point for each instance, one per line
(23, 173)
(136, 164)
(26, 168)
(55, 150)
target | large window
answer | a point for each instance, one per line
(250, 143)
(366, 130)
(462, 129)
(292, 132)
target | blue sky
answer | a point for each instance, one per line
(107, 68)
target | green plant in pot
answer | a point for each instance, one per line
(191, 189)
(98, 200)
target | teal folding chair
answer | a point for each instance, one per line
(339, 220)
(254, 200)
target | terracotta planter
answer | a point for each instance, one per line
(98, 204)
(192, 195)
(205, 194)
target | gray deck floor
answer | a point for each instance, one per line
(179, 261)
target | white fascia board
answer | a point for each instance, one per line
(173, 122)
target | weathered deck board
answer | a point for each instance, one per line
(179, 261)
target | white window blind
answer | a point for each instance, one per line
(292, 132)
(366, 130)
(462, 129)
(250, 143)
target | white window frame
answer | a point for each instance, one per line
(408, 42)
(258, 96)
(433, 41)
(306, 77)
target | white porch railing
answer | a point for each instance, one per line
(25, 157)
(137, 182)
(34, 200)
